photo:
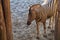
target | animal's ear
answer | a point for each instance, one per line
(29, 12)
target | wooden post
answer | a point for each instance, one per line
(57, 27)
(57, 22)
(2, 25)
(7, 15)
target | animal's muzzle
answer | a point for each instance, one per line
(28, 23)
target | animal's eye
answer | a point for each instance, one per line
(29, 11)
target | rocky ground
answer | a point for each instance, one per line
(19, 12)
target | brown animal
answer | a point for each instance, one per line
(39, 14)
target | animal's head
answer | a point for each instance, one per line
(31, 16)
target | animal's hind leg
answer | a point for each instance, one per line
(49, 24)
(52, 24)
(37, 30)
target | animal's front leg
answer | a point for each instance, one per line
(44, 30)
(37, 23)
(44, 27)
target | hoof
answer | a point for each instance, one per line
(45, 35)
(37, 38)
(49, 34)
(49, 27)
(52, 31)
(50, 39)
